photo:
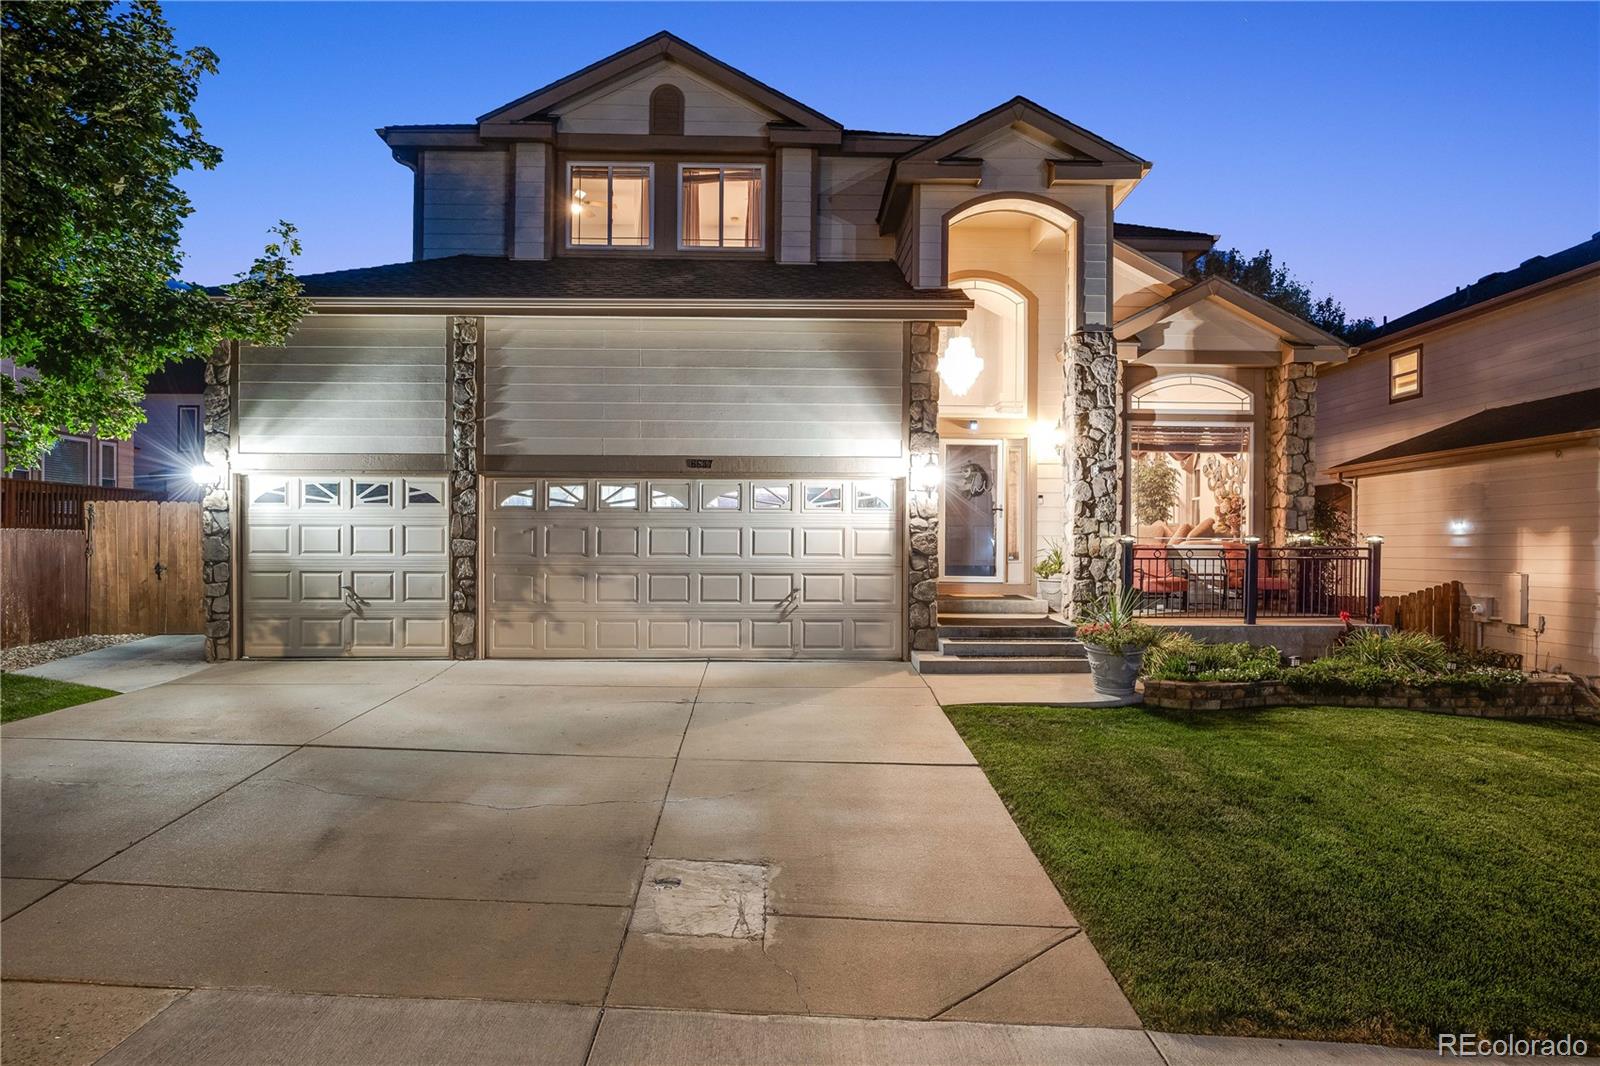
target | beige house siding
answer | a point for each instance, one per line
(848, 194)
(1532, 512)
(676, 386)
(529, 193)
(1534, 348)
(463, 203)
(796, 207)
(346, 385)
(708, 111)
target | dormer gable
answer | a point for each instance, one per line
(612, 96)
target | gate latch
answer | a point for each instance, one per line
(161, 568)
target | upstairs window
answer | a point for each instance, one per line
(1405, 375)
(108, 463)
(609, 204)
(721, 207)
(666, 111)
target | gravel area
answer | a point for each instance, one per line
(26, 655)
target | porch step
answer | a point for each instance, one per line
(977, 627)
(931, 662)
(1013, 605)
(1009, 648)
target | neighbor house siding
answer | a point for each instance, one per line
(528, 194)
(463, 203)
(849, 192)
(1532, 512)
(707, 110)
(1544, 346)
(597, 386)
(346, 385)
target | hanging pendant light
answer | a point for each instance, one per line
(960, 365)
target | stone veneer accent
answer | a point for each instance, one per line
(1092, 468)
(1291, 464)
(216, 515)
(922, 506)
(465, 413)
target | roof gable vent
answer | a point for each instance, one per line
(666, 111)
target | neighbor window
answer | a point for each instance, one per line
(610, 205)
(1405, 374)
(189, 432)
(721, 207)
(108, 463)
(68, 461)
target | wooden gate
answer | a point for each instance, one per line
(144, 567)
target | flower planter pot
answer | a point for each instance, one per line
(1050, 591)
(1114, 672)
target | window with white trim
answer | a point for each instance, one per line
(609, 205)
(1405, 375)
(108, 463)
(720, 206)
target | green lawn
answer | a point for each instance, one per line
(1331, 873)
(23, 697)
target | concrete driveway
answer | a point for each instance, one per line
(808, 839)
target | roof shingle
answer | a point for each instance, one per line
(1555, 415)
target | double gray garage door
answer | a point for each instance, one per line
(581, 568)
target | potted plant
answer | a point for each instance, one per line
(1048, 572)
(1115, 641)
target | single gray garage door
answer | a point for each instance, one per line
(772, 568)
(345, 566)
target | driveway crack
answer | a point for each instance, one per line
(445, 802)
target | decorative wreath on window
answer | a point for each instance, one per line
(973, 480)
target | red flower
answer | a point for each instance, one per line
(1344, 616)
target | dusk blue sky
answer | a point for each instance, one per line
(1387, 153)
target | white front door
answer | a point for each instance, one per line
(345, 566)
(972, 529)
(766, 568)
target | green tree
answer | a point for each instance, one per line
(96, 120)
(1273, 282)
(1155, 488)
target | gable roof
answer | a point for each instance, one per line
(1132, 231)
(1554, 416)
(1535, 271)
(1293, 328)
(656, 47)
(1019, 109)
(598, 283)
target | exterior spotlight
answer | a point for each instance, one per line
(206, 476)
(925, 476)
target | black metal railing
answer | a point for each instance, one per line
(1249, 581)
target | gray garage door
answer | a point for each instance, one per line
(345, 566)
(777, 568)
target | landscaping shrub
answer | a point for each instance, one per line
(1414, 652)
(1172, 658)
(1337, 675)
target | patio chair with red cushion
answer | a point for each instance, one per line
(1153, 575)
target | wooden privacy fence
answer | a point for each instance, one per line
(134, 568)
(1443, 610)
(28, 504)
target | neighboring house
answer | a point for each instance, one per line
(1467, 434)
(159, 456)
(681, 366)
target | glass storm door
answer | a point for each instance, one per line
(974, 513)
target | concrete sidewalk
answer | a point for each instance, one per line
(132, 666)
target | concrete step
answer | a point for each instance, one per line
(1023, 605)
(1054, 649)
(1003, 627)
(930, 662)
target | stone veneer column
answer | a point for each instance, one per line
(465, 345)
(922, 505)
(1291, 464)
(216, 516)
(1092, 467)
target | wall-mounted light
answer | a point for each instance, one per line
(1460, 527)
(206, 476)
(960, 365)
(972, 425)
(925, 474)
(1047, 438)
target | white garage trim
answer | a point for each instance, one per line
(633, 567)
(344, 565)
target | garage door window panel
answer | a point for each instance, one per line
(320, 493)
(566, 495)
(771, 497)
(718, 496)
(618, 496)
(669, 495)
(373, 493)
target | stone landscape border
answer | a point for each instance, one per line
(1541, 698)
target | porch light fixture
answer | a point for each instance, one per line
(206, 476)
(1048, 438)
(1374, 540)
(1460, 527)
(960, 365)
(925, 476)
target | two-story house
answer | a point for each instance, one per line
(682, 366)
(1467, 434)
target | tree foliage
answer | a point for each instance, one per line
(1155, 488)
(1273, 282)
(96, 121)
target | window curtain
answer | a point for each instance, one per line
(752, 211)
(695, 184)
